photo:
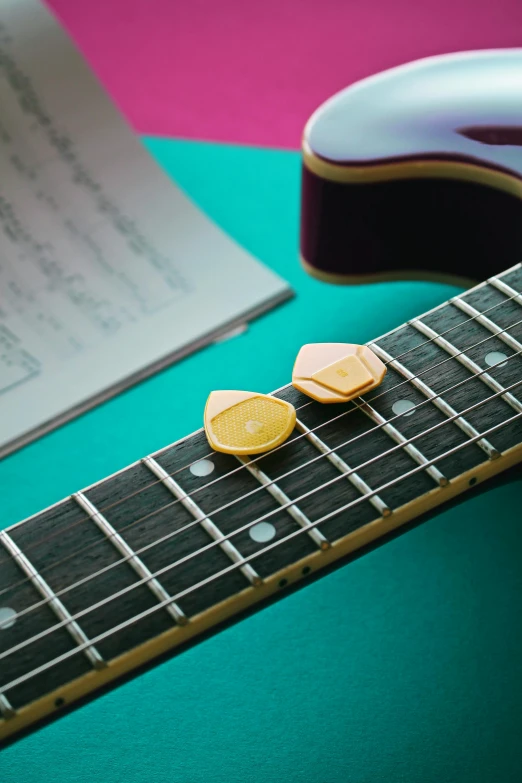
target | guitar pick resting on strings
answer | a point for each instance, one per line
(243, 423)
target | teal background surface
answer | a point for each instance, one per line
(403, 666)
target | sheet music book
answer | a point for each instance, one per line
(108, 272)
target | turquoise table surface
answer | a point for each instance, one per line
(403, 666)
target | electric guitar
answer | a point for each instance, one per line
(411, 172)
(417, 172)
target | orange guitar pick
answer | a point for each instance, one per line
(241, 422)
(336, 372)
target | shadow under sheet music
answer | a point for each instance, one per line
(108, 272)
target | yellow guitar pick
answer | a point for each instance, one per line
(241, 422)
(336, 372)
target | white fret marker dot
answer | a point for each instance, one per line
(262, 532)
(401, 406)
(6, 617)
(495, 357)
(202, 468)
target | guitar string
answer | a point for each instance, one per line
(196, 522)
(233, 566)
(355, 502)
(240, 467)
(267, 515)
(260, 488)
(82, 520)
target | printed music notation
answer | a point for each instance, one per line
(49, 180)
(16, 365)
(106, 267)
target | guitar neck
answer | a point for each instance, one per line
(143, 561)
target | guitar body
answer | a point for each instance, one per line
(404, 665)
(417, 173)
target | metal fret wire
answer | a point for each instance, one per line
(349, 473)
(6, 710)
(284, 501)
(319, 521)
(412, 451)
(124, 549)
(441, 404)
(453, 300)
(255, 459)
(515, 295)
(503, 287)
(234, 566)
(343, 466)
(490, 325)
(326, 453)
(92, 654)
(468, 363)
(199, 515)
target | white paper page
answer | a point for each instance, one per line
(107, 271)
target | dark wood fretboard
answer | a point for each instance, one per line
(141, 562)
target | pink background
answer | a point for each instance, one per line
(252, 72)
